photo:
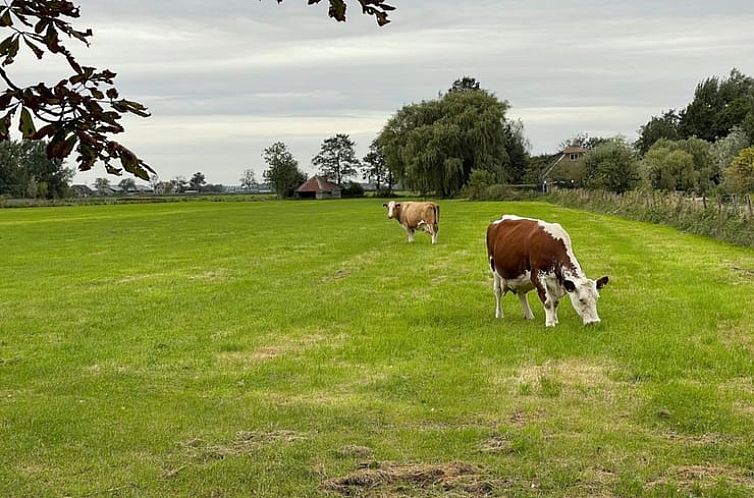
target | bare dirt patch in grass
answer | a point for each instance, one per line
(244, 443)
(388, 479)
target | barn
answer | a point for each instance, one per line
(318, 187)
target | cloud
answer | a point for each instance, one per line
(225, 81)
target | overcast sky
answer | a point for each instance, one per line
(224, 79)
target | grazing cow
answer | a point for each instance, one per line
(527, 254)
(415, 216)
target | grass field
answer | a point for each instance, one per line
(305, 349)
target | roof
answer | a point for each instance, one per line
(574, 149)
(317, 184)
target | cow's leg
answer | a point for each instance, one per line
(552, 289)
(434, 233)
(497, 288)
(409, 232)
(539, 280)
(523, 297)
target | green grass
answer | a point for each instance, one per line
(233, 349)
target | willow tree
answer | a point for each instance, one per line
(433, 146)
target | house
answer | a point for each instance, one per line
(318, 187)
(567, 167)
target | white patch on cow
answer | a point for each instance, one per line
(558, 233)
(390, 209)
(511, 217)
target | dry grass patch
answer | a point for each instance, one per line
(244, 443)
(496, 444)
(553, 378)
(389, 479)
(687, 475)
(353, 451)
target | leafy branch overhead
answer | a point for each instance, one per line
(81, 113)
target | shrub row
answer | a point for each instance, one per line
(730, 221)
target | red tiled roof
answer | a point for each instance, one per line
(573, 149)
(317, 184)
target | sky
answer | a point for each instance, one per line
(225, 79)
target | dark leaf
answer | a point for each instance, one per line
(26, 124)
(37, 51)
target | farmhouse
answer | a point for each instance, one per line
(567, 167)
(318, 187)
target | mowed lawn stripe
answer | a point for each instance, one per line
(231, 349)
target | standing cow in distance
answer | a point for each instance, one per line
(415, 216)
(527, 254)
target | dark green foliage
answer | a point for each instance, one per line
(282, 172)
(197, 181)
(433, 146)
(465, 84)
(612, 166)
(718, 106)
(127, 184)
(665, 126)
(374, 168)
(26, 172)
(352, 189)
(336, 159)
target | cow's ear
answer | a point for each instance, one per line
(397, 204)
(384, 205)
(569, 285)
(602, 282)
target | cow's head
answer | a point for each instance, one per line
(584, 294)
(393, 208)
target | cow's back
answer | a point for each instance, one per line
(413, 213)
(517, 245)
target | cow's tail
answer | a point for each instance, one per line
(435, 225)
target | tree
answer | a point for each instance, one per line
(282, 172)
(670, 169)
(336, 159)
(127, 184)
(178, 185)
(612, 166)
(467, 83)
(374, 167)
(739, 176)
(683, 165)
(197, 181)
(83, 111)
(718, 106)
(433, 146)
(101, 185)
(658, 127)
(25, 171)
(248, 179)
(726, 149)
(583, 140)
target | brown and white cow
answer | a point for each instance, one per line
(527, 254)
(415, 216)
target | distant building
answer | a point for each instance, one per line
(318, 187)
(567, 168)
(81, 190)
